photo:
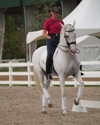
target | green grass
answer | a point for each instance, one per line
(21, 69)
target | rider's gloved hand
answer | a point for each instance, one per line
(52, 39)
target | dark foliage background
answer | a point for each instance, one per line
(15, 34)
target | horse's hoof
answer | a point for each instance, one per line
(44, 112)
(65, 113)
(76, 102)
(50, 105)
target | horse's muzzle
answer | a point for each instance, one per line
(73, 51)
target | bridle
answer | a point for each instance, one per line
(74, 42)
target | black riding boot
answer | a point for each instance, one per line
(49, 68)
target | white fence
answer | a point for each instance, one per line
(28, 72)
(11, 73)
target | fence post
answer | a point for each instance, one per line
(29, 73)
(10, 74)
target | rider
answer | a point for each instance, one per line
(51, 31)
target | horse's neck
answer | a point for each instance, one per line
(62, 38)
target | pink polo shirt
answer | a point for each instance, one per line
(53, 26)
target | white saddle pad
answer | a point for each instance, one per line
(43, 59)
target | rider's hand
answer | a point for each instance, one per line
(52, 39)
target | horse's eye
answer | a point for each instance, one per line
(66, 36)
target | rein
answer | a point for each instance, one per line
(77, 50)
(62, 49)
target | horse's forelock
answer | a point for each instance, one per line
(69, 27)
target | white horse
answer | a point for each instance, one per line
(65, 62)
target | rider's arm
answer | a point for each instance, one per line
(45, 34)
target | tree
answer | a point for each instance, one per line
(14, 41)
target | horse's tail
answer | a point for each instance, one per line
(37, 81)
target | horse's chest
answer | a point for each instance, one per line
(73, 65)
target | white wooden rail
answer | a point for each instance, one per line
(10, 73)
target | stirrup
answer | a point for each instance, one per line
(48, 76)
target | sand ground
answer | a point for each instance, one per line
(21, 105)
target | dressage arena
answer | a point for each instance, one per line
(21, 105)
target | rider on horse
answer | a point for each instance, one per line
(51, 31)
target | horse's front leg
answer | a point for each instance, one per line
(63, 94)
(81, 88)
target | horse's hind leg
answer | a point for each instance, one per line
(46, 98)
(50, 105)
(44, 102)
(81, 88)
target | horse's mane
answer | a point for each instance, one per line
(62, 31)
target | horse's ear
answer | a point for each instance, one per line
(74, 23)
(61, 24)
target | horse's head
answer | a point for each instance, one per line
(70, 36)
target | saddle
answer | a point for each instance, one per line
(43, 62)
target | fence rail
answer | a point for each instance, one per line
(28, 72)
(11, 73)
